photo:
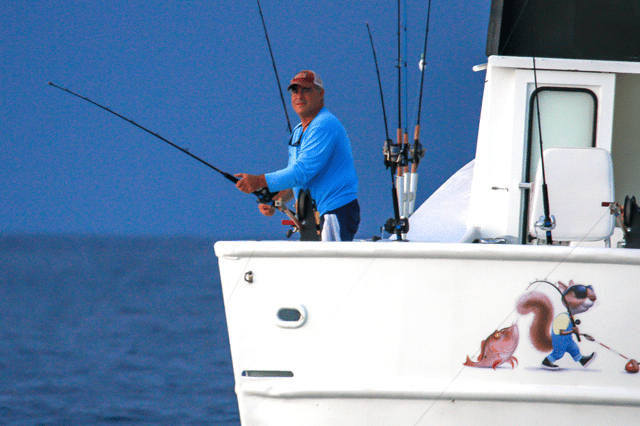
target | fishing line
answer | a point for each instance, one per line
(592, 339)
(577, 244)
(513, 28)
(546, 203)
(545, 280)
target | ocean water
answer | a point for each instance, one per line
(107, 330)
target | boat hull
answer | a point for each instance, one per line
(378, 333)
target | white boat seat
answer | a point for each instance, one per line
(579, 180)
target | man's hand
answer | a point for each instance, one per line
(250, 183)
(266, 209)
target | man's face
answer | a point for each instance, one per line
(307, 101)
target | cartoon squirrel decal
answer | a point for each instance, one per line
(554, 334)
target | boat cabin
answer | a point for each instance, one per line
(561, 76)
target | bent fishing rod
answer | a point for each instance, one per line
(263, 194)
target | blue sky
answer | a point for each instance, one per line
(199, 73)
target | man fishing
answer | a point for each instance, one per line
(320, 160)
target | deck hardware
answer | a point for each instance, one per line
(293, 316)
(266, 373)
(546, 225)
(248, 277)
(479, 67)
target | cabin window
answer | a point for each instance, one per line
(567, 119)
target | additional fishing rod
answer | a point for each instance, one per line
(399, 132)
(264, 196)
(273, 62)
(416, 151)
(391, 152)
(375, 59)
(405, 55)
(409, 181)
(405, 135)
(548, 222)
(403, 138)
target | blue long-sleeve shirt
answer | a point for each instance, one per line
(320, 160)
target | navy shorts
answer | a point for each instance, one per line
(342, 223)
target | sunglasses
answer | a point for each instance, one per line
(291, 143)
(303, 90)
(580, 291)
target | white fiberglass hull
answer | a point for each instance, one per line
(385, 328)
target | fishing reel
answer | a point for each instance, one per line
(306, 219)
(392, 226)
(545, 223)
(631, 223)
(394, 154)
(416, 152)
(308, 216)
(264, 196)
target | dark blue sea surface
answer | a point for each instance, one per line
(113, 330)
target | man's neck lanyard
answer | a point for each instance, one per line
(299, 137)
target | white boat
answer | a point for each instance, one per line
(378, 333)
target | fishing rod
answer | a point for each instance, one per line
(416, 150)
(375, 59)
(546, 223)
(391, 152)
(273, 62)
(405, 55)
(403, 139)
(591, 339)
(263, 194)
(401, 161)
(409, 181)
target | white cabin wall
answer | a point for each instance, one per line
(496, 198)
(626, 137)
(488, 208)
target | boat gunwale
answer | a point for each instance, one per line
(425, 250)
(498, 392)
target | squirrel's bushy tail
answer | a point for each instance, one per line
(542, 308)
